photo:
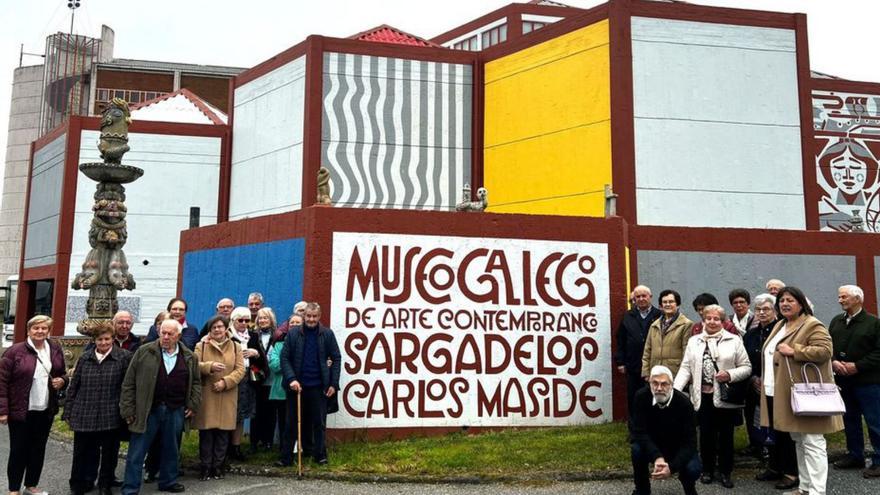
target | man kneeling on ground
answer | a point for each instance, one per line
(663, 432)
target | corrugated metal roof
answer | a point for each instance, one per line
(389, 34)
(128, 63)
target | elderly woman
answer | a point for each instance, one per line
(31, 374)
(797, 339)
(92, 411)
(668, 335)
(714, 357)
(782, 465)
(222, 368)
(240, 318)
(263, 425)
(278, 394)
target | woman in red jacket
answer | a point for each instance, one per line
(31, 374)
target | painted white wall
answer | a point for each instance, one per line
(267, 143)
(44, 207)
(717, 125)
(179, 172)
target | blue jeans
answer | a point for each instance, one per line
(166, 424)
(862, 400)
(688, 475)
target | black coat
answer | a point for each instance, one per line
(753, 341)
(93, 395)
(859, 343)
(631, 335)
(669, 432)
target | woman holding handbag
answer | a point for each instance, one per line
(714, 361)
(798, 339)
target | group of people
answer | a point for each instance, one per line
(241, 365)
(690, 384)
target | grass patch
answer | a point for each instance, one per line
(528, 452)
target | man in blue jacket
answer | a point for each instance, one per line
(305, 356)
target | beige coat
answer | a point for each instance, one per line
(219, 409)
(811, 343)
(729, 354)
(666, 349)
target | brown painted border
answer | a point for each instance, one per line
(844, 85)
(805, 101)
(623, 147)
(312, 121)
(703, 13)
(546, 33)
(23, 305)
(510, 11)
(424, 53)
(271, 64)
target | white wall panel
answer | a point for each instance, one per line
(179, 172)
(716, 118)
(44, 206)
(267, 143)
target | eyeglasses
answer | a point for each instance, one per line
(243, 320)
(763, 310)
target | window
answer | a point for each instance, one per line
(469, 44)
(494, 36)
(104, 95)
(529, 26)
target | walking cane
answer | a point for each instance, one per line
(299, 451)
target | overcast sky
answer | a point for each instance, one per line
(842, 33)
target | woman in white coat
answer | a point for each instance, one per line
(712, 357)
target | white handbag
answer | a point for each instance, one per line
(814, 399)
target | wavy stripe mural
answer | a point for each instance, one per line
(396, 133)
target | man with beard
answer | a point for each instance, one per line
(663, 433)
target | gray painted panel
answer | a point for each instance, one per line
(44, 206)
(691, 273)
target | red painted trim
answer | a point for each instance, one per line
(720, 15)
(43, 272)
(50, 136)
(511, 9)
(21, 305)
(192, 97)
(226, 160)
(866, 279)
(172, 128)
(425, 53)
(623, 147)
(845, 86)
(65, 223)
(514, 26)
(546, 33)
(805, 99)
(478, 124)
(273, 63)
(312, 121)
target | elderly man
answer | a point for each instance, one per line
(856, 363)
(304, 358)
(224, 308)
(162, 388)
(631, 337)
(663, 433)
(122, 322)
(774, 285)
(254, 303)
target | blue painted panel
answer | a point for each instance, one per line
(274, 269)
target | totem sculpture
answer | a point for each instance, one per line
(480, 204)
(323, 187)
(105, 270)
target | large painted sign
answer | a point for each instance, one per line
(459, 331)
(847, 130)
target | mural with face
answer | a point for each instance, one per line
(847, 135)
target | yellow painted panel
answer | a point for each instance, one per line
(563, 173)
(570, 91)
(563, 46)
(547, 128)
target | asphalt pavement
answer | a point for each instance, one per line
(58, 455)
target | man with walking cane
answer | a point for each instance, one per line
(304, 358)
